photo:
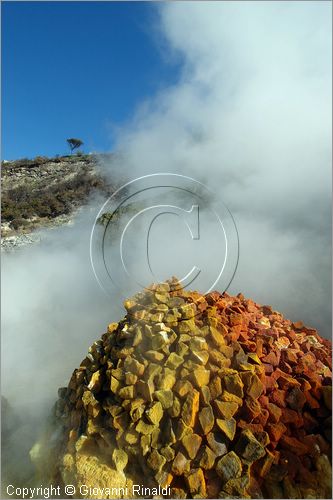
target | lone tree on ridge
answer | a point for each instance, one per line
(74, 144)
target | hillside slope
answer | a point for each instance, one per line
(47, 191)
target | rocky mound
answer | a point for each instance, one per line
(207, 396)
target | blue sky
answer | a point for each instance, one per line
(76, 69)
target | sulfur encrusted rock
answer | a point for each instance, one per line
(196, 483)
(248, 447)
(207, 459)
(120, 459)
(155, 413)
(229, 467)
(227, 426)
(181, 464)
(214, 396)
(165, 397)
(206, 419)
(226, 409)
(156, 460)
(217, 444)
(190, 408)
(191, 443)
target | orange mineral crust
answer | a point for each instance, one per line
(210, 396)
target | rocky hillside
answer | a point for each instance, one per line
(46, 191)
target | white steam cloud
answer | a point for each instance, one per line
(251, 118)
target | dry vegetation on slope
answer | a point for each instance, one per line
(37, 192)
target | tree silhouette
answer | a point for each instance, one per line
(74, 143)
